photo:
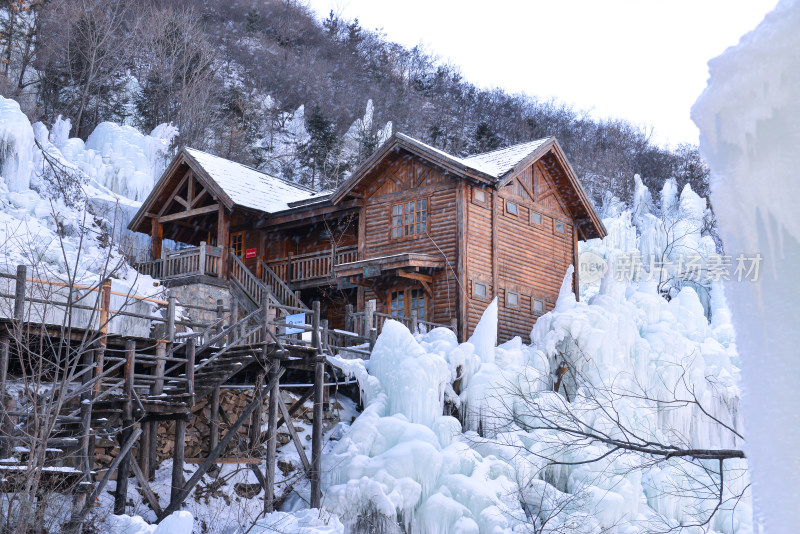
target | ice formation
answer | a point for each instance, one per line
(117, 166)
(636, 361)
(748, 117)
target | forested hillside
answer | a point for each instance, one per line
(270, 84)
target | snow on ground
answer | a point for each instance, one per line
(748, 117)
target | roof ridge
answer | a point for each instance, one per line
(506, 147)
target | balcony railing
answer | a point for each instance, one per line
(203, 260)
(313, 265)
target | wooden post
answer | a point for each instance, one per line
(5, 420)
(373, 337)
(223, 238)
(156, 237)
(414, 322)
(316, 431)
(272, 435)
(156, 389)
(220, 314)
(19, 292)
(177, 458)
(325, 341)
(124, 470)
(105, 307)
(202, 265)
(255, 420)
(348, 318)
(214, 423)
(84, 459)
(289, 268)
(171, 304)
(232, 321)
(369, 316)
(190, 357)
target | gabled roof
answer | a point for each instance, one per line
(249, 188)
(493, 168)
(231, 184)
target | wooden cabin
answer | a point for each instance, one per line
(417, 230)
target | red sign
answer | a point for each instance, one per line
(250, 253)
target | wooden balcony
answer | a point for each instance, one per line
(314, 268)
(204, 260)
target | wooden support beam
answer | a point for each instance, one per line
(255, 420)
(177, 462)
(124, 449)
(19, 292)
(5, 421)
(272, 438)
(187, 213)
(181, 201)
(213, 438)
(123, 472)
(156, 389)
(214, 454)
(296, 406)
(179, 449)
(145, 487)
(415, 276)
(316, 430)
(298, 444)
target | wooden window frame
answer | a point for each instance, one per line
(563, 230)
(241, 235)
(475, 284)
(516, 295)
(539, 215)
(407, 298)
(476, 200)
(510, 213)
(534, 311)
(402, 216)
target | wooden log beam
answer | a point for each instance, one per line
(214, 454)
(151, 497)
(123, 472)
(124, 449)
(272, 438)
(295, 438)
(316, 430)
(187, 213)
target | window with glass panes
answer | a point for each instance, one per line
(398, 308)
(418, 303)
(409, 218)
(237, 243)
(406, 301)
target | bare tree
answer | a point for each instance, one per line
(613, 427)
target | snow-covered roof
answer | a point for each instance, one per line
(499, 162)
(496, 163)
(248, 187)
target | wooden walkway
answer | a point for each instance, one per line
(117, 356)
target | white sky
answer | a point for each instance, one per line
(642, 60)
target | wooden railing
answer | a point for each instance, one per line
(313, 265)
(283, 293)
(203, 260)
(246, 280)
(369, 320)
